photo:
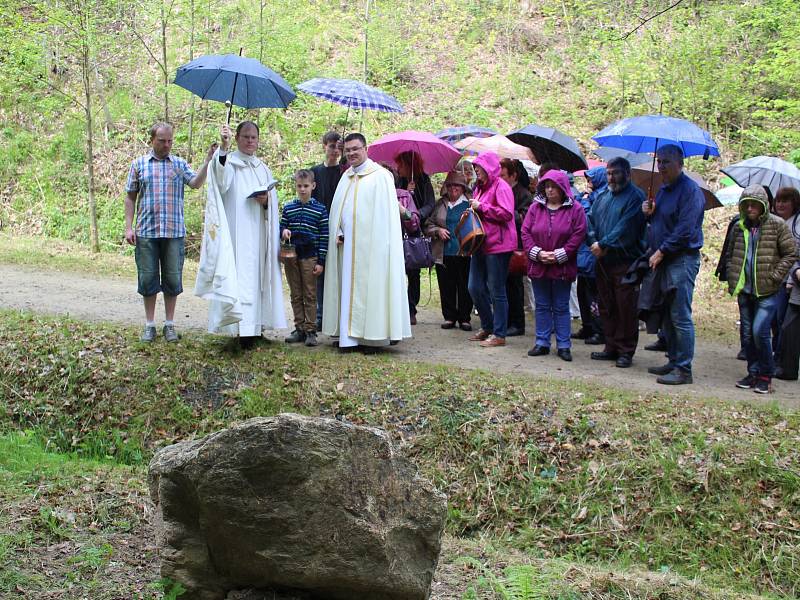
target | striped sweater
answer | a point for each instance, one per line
(308, 222)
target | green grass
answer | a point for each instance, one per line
(555, 469)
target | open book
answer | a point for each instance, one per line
(263, 189)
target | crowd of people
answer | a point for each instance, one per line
(629, 258)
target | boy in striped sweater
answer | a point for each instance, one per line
(304, 223)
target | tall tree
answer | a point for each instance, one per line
(80, 28)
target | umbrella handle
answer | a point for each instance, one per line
(229, 106)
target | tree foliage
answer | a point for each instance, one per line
(573, 64)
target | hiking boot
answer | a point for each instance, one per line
(762, 385)
(296, 337)
(747, 382)
(663, 370)
(658, 346)
(148, 335)
(675, 377)
(169, 333)
(311, 338)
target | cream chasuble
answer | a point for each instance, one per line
(239, 270)
(365, 285)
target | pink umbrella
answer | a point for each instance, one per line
(499, 144)
(437, 156)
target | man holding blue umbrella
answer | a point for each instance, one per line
(675, 238)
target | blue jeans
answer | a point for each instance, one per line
(159, 263)
(487, 287)
(756, 315)
(552, 311)
(678, 325)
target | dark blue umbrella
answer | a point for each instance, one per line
(230, 78)
(351, 93)
(764, 170)
(454, 134)
(650, 132)
(550, 145)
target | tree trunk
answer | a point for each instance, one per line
(87, 90)
(191, 58)
(164, 61)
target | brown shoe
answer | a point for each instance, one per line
(493, 341)
(480, 336)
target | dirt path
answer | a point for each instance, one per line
(115, 299)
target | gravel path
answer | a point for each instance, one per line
(115, 299)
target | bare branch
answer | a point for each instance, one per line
(650, 18)
(146, 47)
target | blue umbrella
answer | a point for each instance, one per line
(764, 170)
(650, 132)
(235, 79)
(454, 134)
(351, 93)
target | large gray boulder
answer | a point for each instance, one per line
(305, 507)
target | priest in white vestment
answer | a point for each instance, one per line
(239, 270)
(365, 299)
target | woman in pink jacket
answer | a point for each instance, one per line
(552, 232)
(493, 201)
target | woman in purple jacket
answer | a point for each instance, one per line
(493, 201)
(552, 232)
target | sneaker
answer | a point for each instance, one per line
(296, 337)
(747, 382)
(169, 333)
(148, 335)
(311, 338)
(763, 385)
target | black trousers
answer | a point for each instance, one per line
(790, 342)
(453, 276)
(515, 292)
(587, 295)
(413, 290)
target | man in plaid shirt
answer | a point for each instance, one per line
(157, 179)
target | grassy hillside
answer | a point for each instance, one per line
(569, 477)
(729, 66)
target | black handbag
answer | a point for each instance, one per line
(417, 252)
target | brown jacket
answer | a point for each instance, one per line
(774, 255)
(438, 219)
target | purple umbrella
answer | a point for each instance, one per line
(437, 156)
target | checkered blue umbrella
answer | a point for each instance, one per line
(350, 93)
(454, 134)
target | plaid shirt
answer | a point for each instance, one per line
(159, 184)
